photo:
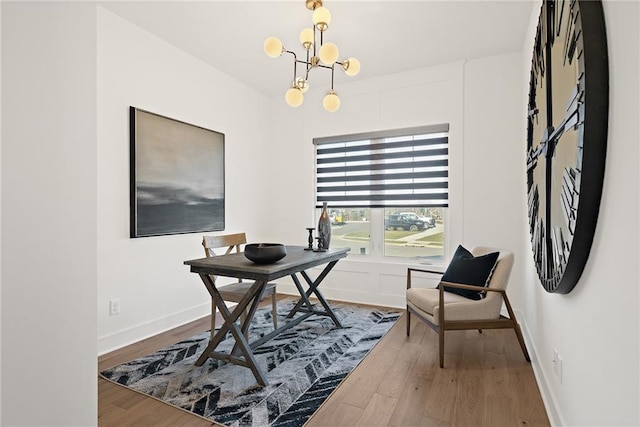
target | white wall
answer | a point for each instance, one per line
(595, 328)
(426, 96)
(84, 222)
(49, 265)
(0, 211)
(477, 99)
(156, 291)
(494, 160)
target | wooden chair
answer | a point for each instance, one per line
(445, 311)
(235, 291)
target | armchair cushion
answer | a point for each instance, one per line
(467, 269)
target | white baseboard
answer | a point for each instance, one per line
(550, 403)
(348, 295)
(125, 337)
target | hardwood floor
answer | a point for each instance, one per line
(485, 382)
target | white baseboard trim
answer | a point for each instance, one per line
(550, 402)
(116, 340)
(356, 297)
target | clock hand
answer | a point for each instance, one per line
(569, 120)
(532, 158)
(550, 25)
(543, 148)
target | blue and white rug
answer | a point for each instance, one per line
(303, 366)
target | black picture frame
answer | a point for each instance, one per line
(176, 176)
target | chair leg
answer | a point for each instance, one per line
(243, 318)
(213, 317)
(441, 344)
(408, 322)
(516, 328)
(274, 310)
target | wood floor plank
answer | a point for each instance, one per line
(442, 396)
(368, 377)
(433, 422)
(334, 414)
(470, 398)
(395, 379)
(485, 381)
(378, 411)
(410, 408)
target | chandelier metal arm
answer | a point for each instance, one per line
(295, 63)
(332, 78)
(324, 55)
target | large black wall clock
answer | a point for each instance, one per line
(566, 138)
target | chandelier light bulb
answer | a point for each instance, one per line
(329, 53)
(321, 18)
(302, 84)
(331, 102)
(351, 67)
(306, 38)
(319, 55)
(273, 47)
(294, 97)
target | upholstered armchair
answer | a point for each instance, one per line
(457, 305)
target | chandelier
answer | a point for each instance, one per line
(319, 55)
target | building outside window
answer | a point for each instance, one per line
(386, 191)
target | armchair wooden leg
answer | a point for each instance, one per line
(521, 341)
(408, 322)
(516, 326)
(441, 344)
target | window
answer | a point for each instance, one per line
(387, 192)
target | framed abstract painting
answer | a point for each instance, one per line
(176, 176)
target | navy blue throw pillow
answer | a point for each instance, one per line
(466, 269)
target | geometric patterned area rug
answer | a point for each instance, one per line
(303, 366)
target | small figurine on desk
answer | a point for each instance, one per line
(310, 240)
(321, 245)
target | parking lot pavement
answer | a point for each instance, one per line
(430, 232)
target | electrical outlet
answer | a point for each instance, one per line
(557, 365)
(559, 373)
(114, 307)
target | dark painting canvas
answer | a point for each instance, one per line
(177, 176)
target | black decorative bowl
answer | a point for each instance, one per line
(265, 253)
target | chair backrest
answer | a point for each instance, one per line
(499, 277)
(228, 241)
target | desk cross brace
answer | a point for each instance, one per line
(238, 333)
(242, 346)
(313, 289)
(308, 309)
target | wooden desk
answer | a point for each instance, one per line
(296, 262)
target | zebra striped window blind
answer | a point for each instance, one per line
(395, 168)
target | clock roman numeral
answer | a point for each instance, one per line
(534, 206)
(560, 250)
(569, 197)
(571, 37)
(559, 14)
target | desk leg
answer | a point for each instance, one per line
(313, 289)
(252, 311)
(303, 300)
(229, 325)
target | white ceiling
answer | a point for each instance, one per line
(386, 36)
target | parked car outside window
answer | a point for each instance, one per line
(405, 221)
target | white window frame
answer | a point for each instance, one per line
(377, 228)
